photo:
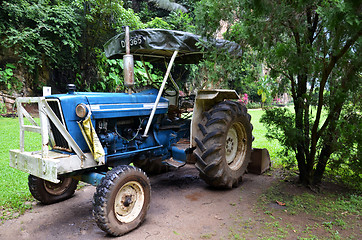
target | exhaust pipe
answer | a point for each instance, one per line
(128, 64)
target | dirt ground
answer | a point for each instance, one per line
(182, 207)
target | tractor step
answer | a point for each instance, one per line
(174, 163)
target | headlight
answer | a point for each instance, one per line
(81, 110)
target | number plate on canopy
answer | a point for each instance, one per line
(134, 41)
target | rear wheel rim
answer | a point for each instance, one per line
(58, 189)
(236, 146)
(129, 202)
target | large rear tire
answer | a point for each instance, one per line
(47, 192)
(121, 200)
(223, 139)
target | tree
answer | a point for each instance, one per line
(60, 41)
(170, 6)
(42, 35)
(314, 48)
(101, 20)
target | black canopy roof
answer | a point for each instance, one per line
(155, 45)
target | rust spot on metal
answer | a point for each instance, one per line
(62, 149)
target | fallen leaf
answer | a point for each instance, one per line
(280, 203)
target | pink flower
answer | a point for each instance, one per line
(244, 99)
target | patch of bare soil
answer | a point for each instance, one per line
(182, 207)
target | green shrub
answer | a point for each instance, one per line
(8, 80)
(253, 105)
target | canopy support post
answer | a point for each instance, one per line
(159, 94)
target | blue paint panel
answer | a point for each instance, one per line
(119, 106)
(178, 154)
(112, 105)
(124, 113)
(92, 178)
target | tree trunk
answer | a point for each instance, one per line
(302, 151)
(322, 163)
(331, 137)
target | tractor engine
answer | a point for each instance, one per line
(119, 134)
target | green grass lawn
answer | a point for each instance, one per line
(14, 193)
(260, 140)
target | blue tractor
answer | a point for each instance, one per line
(111, 140)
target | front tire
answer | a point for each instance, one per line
(47, 192)
(223, 141)
(121, 200)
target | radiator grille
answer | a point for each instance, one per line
(60, 142)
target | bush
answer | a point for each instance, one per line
(253, 105)
(8, 80)
(346, 162)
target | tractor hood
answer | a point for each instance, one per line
(111, 105)
(156, 45)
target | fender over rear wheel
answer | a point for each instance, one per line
(121, 200)
(223, 139)
(47, 192)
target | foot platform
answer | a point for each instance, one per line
(174, 163)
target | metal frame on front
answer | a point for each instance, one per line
(46, 164)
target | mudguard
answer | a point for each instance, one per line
(205, 99)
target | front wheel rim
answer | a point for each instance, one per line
(236, 146)
(129, 202)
